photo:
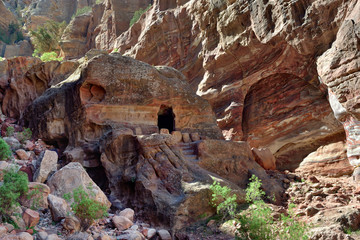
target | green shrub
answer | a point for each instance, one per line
(25, 135)
(50, 56)
(15, 184)
(47, 37)
(10, 131)
(5, 151)
(85, 208)
(2, 59)
(82, 11)
(222, 199)
(256, 222)
(138, 14)
(253, 191)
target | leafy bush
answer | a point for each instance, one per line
(25, 135)
(138, 14)
(47, 37)
(85, 208)
(256, 222)
(222, 199)
(5, 151)
(2, 59)
(15, 184)
(50, 56)
(82, 11)
(10, 131)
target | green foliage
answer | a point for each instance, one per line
(292, 229)
(5, 151)
(138, 14)
(253, 191)
(36, 196)
(15, 184)
(256, 222)
(47, 37)
(10, 131)
(222, 199)
(50, 56)
(12, 35)
(25, 135)
(115, 50)
(2, 59)
(99, 1)
(85, 208)
(82, 11)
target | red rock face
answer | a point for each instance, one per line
(339, 69)
(113, 92)
(229, 50)
(23, 79)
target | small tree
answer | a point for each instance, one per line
(47, 37)
(15, 184)
(85, 208)
(5, 151)
(138, 14)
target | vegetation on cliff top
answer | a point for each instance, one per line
(138, 14)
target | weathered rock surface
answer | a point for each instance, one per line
(113, 92)
(6, 17)
(41, 11)
(38, 199)
(23, 79)
(59, 207)
(254, 62)
(265, 158)
(73, 176)
(22, 48)
(329, 160)
(339, 69)
(47, 165)
(160, 181)
(100, 27)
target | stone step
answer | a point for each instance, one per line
(190, 157)
(188, 151)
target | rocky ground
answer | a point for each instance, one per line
(329, 205)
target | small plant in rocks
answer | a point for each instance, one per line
(85, 208)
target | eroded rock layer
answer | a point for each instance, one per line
(254, 62)
(111, 91)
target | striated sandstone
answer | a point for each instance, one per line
(339, 69)
(23, 79)
(329, 160)
(116, 92)
(254, 62)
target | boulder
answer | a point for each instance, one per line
(122, 223)
(128, 213)
(161, 183)
(71, 223)
(13, 143)
(48, 164)
(164, 234)
(264, 158)
(31, 218)
(36, 197)
(131, 235)
(22, 154)
(73, 176)
(329, 160)
(18, 236)
(59, 208)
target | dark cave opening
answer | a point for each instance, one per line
(166, 118)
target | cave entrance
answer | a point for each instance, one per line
(166, 118)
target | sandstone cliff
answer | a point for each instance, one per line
(255, 63)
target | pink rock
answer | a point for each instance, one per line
(31, 218)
